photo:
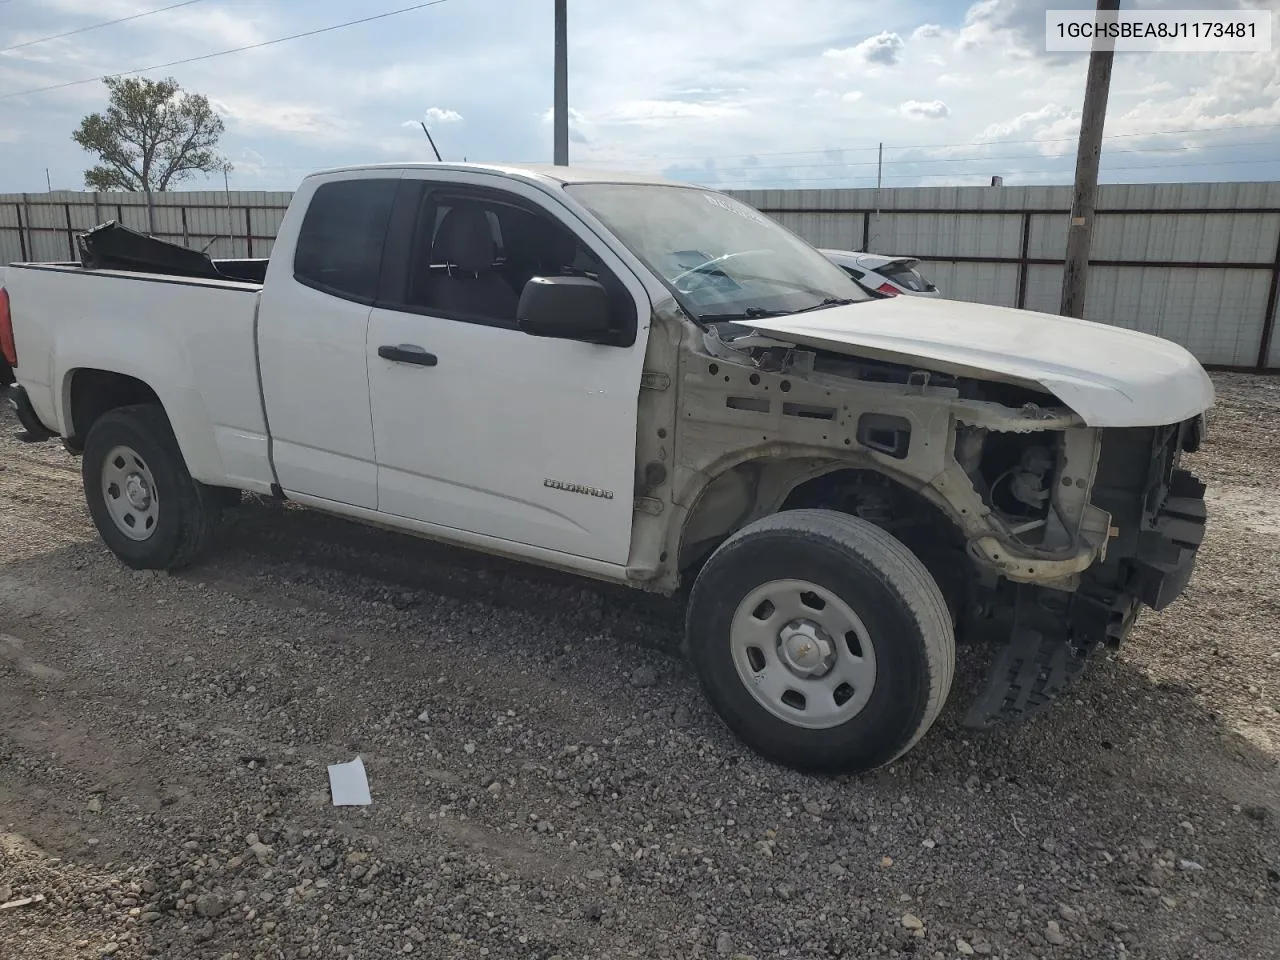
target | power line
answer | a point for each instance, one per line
(911, 161)
(223, 53)
(973, 159)
(1137, 166)
(1016, 173)
(940, 173)
(96, 26)
(940, 146)
(1110, 153)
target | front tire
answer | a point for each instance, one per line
(147, 508)
(821, 641)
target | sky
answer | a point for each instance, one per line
(728, 93)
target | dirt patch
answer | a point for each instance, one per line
(163, 743)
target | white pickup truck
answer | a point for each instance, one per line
(648, 383)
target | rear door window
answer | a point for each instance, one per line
(340, 244)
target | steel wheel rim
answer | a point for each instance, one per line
(129, 491)
(803, 654)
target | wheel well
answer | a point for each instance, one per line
(908, 515)
(753, 490)
(866, 493)
(96, 392)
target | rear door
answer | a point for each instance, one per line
(478, 426)
(312, 328)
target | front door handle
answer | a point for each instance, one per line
(407, 353)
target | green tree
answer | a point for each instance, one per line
(151, 137)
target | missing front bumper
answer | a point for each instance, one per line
(1054, 632)
(1166, 554)
(1046, 650)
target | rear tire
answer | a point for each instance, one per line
(146, 506)
(821, 641)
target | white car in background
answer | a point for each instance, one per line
(882, 275)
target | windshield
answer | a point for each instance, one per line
(723, 260)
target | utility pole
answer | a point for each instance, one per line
(47, 181)
(560, 108)
(1088, 156)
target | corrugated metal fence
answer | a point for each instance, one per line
(42, 226)
(1196, 263)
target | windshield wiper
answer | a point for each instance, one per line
(750, 313)
(828, 302)
(760, 313)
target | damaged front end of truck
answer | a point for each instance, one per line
(1156, 521)
(1042, 531)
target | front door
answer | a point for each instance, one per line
(477, 426)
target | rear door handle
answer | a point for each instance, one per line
(407, 353)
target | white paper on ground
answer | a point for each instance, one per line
(349, 785)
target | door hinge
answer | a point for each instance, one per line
(650, 505)
(654, 381)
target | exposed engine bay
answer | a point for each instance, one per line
(1037, 527)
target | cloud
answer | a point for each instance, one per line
(305, 121)
(216, 27)
(249, 163)
(1017, 27)
(1031, 121)
(1238, 90)
(578, 124)
(665, 111)
(925, 110)
(441, 115)
(884, 48)
(764, 88)
(575, 116)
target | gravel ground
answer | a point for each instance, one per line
(548, 783)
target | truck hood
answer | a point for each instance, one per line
(1110, 376)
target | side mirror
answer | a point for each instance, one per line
(568, 308)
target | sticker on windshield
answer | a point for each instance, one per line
(746, 213)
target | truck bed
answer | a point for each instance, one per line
(237, 274)
(191, 339)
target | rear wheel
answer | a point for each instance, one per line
(145, 504)
(821, 640)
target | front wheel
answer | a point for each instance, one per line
(145, 504)
(821, 641)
